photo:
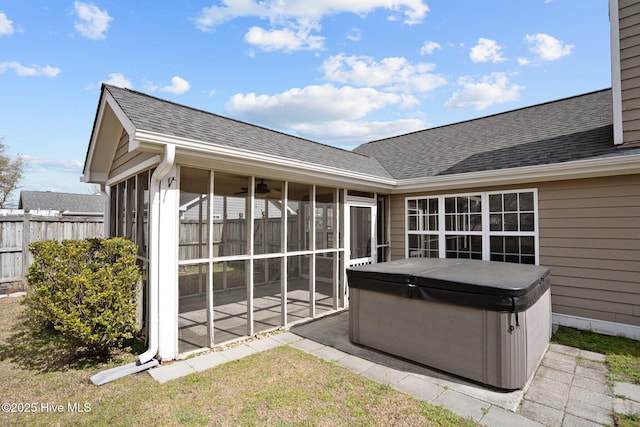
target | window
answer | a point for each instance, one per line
(463, 226)
(498, 226)
(423, 226)
(512, 227)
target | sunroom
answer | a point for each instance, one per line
(232, 242)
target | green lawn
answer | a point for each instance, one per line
(280, 387)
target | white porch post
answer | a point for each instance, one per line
(345, 237)
(312, 260)
(106, 219)
(284, 248)
(336, 244)
(168, 266)
(250, 228)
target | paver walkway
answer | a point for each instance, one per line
(570, 387)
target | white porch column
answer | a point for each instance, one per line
(167, 235)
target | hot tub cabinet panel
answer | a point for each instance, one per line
(486, 321)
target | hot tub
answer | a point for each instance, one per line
(486, 321)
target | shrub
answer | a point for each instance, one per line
(85, 290)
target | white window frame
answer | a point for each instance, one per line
(486, 232)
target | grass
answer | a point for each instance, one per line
(627, 420)
(622, 358)
(622, 354)
(280, 387)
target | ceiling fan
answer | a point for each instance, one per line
(262, 188)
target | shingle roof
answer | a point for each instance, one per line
(156, 115)
(575, 128)
(63, 202)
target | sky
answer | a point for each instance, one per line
(334, 71)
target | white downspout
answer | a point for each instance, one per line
(154, 250)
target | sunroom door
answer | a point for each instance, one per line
(361, 234)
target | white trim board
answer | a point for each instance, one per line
(599, 326)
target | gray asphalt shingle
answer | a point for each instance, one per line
(575, 128)
(156, 115)
(63, 202)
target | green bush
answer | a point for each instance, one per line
(85, 290)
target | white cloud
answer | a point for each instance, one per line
(394, 73)
(325, 113)
(486, 50)
(283, 10)
(523, 61)
(547, 48)
(178, 86)
(287, 40)
(355, 35)
(429, 47)
(32, 71)
(350, 134)
(209, 17)
(292, 21)
(311, 104)
(40, 165)
(490, 90)
(150, 86)
(6, 25)
(92, 22)
(117, 79)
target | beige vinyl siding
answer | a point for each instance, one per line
(589, 233)
(398, 230)
(629, 15)
(590, 237)
(124, 160)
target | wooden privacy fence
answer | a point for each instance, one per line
(17, 232)
(229, 237)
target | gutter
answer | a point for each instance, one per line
(154, 248)
(577, 169)
(147, 359)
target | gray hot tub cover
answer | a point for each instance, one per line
(488, 285)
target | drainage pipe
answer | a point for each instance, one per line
(165, 165)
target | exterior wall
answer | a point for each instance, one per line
(124, 160)
(629, 40)
(590, 237)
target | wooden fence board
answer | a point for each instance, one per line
(17, 232)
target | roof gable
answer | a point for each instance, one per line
(159, 116)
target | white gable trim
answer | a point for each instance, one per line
(104, 119)
(122, 117)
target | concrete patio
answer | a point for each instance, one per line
(230, 311)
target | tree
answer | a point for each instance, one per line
(11, 170)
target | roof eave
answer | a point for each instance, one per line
(106, 105)
(579, 169)
(153, 142)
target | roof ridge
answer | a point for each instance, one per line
(108, 87)
(488, 116)
(56, 192)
